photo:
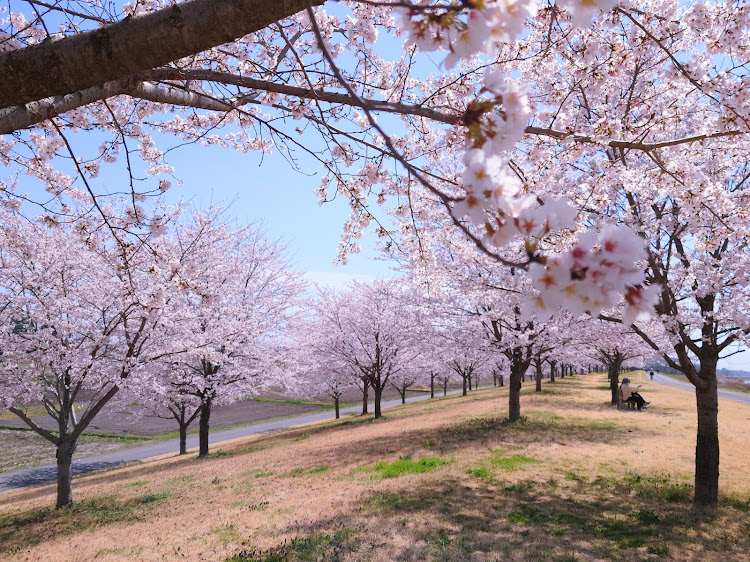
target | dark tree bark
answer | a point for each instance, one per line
(183, 439)
(707, 442)
(365, 395)
(205, 416)
(65, 450)
(445, 387)
(520, 359)
(133, 45)
(502, 380)
(378, 394)
(336, 403)
(613, 369)
(538, 364)
(432, 384)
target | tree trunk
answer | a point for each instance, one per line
(707, 442)
(203, 430)
(365, 396)
(502, 380)
(183, 438)
(552, 371)
(336, 403)
(539, 378)
(445, 387)
(378, 393)
(65, 452)
(464, 387)
(514, 397)
(432, 385)
(614, 376)
(403, 395)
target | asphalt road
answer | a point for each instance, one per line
(741, 397)
(48, 473)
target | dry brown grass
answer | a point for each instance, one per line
(576, 480)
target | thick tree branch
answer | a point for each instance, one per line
(300, 92)
(49, 436)
(133, 45)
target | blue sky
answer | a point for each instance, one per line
(267, 188)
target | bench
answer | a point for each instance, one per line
(628, 404)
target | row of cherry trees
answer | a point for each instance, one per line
(594, 148)
(179, 322)
(200, 313)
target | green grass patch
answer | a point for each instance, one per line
(644, 515)
(513, 462)
(481, 473)
(406, 465)
(226, 534)
(136, 484)
(302, 471)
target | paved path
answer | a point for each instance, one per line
(742, 397)
(48, 473)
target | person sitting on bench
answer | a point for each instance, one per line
(630, 394)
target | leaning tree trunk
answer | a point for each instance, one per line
(65, 450)
(707, 442)
(402, 393)
(203, 429)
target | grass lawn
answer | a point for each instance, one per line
(447, 479)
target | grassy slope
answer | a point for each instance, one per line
(441, 480)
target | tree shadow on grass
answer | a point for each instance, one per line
(493, 431)
(21, 530)
(601, 519)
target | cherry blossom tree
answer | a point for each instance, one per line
(225, 338)
(464, 347)
(557, 129)
(321, 369)
(612, 345)
(374, 331)
(77, 314)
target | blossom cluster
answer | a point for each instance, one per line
(591, 276)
